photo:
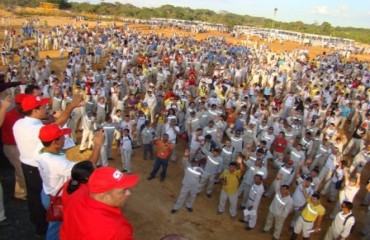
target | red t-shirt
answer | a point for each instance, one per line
(7, 135)
(280, 145)
(88, 219)
(82, 191)
(191, 80)
(169, 95)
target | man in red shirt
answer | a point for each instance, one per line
(164, 151)
(280, 144)
(97, 215)
(170, 94)
(10, 148)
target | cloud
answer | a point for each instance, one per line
(322, 10)
(339, 11)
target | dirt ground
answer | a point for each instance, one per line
(151, 201)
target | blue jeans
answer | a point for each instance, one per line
(148, 148)
(157, 164)
(54, 227)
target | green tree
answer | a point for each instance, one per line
(63, 4)
(118, 9)
(326, 28)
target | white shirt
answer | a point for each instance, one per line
(26, 132)
(331, 162)
(348, 193)
(126, 125)
(171, 133)
(298, 197)
(339, 227)
(281, 206)
(192, 174)
(55, 170)
(255, 195)
(195, 142)
(151, 101)
(126, 142)
(289, 101)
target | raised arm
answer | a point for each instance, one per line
(358, 183)
(240, 162)
(98, 142)
(186, 158)
(76, 102)
(305, 192)
(5, 103)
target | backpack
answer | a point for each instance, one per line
(354, 224)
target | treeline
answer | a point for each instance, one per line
(229, 19)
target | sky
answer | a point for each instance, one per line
(344, 13)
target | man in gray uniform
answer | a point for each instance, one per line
(147, 135)
(106, 149)
(280, 208)
(190, 183)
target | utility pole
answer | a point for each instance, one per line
(273, 20)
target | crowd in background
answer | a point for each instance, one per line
(244, 112)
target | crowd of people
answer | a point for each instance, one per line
(244, 113)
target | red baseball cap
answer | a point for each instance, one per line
(51, 132)
(105, 179)
(19, 98)
(30, 102)
(291, 162)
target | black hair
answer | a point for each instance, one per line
(260, 150)
(316, 195)
(348, 204)
(29, 112)
(208, 137)
(285, 186)
(30, 88)
(308, 179)
(234, 164)
(47, 144)
(80, 173)
(259, 176)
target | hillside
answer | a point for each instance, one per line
(229, 19)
